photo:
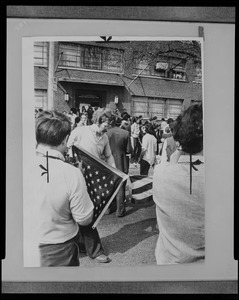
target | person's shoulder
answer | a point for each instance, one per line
(123, 131)
(86, 129)
(110, 132)
(67, 166)
(106, 135)
(71, 171)
(79, 129)
(160, 168)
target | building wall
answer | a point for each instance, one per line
(142, 86)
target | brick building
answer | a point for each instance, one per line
(114, 75)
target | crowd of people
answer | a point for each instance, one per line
(151, 139)
(121, 140)
(147, 136)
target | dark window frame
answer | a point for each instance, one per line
(92, 58)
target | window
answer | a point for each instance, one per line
(142, 67)
(167, 68)
(139, 106)
(71, 56)
(155, 106)
(112, 60)
(40, 53)
(161, 69)
(174, 108)
(198, 74)
(41, 99)
(178, 74)
(91, 57)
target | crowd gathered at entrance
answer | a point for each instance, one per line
(147, 135)
(123, 141)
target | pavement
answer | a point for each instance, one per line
(130, 240)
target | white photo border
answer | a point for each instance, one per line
(219, 264)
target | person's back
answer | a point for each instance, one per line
(149, 149)
(61, 203)
(163, 124)
(135, 128)
(58, 198)
(120, 145)
(119, 140)
(149, 143)
(180, 215)
(178, 192)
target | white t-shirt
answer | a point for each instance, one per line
(135, 130)
(61, 203)
(149, 143)
(163, 125)
(180, 215)
(86, 137)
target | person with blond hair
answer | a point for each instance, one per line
(93, 139)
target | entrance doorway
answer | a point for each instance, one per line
(88, 97)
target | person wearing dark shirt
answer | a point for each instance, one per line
(120, 145)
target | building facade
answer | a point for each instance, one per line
(115, 75)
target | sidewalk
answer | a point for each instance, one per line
(131, 240)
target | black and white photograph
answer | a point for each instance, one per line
(119, 154)
(117, 177)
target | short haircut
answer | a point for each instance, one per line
(102, 115)
(149, 128)
(77, 120)
(52, 127)
(188, 129)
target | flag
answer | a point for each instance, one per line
(103, 181)
(141, 188)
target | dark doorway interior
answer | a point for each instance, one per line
(89, 97)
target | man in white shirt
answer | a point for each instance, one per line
(72, 115)
(61, 202)
(93, 139)
(163, 124)
(149, 149)
(135, 132)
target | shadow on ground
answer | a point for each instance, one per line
(133, 207)
(129, 236)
